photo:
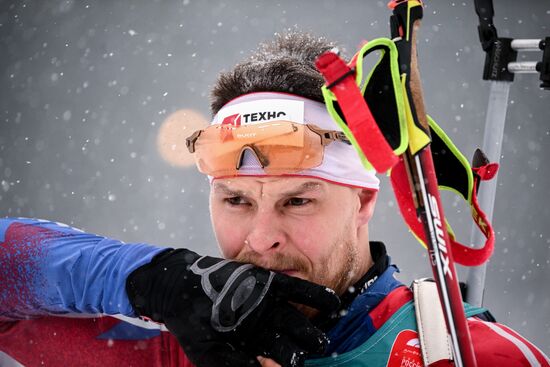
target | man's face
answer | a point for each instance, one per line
(303, 227)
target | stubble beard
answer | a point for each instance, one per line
(339, 280)
(335, 272)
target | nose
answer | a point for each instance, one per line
(266, 232)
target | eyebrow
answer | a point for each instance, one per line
(302, 189)
(226, 190)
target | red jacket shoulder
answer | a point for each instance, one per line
(498, 345)
(99, 341)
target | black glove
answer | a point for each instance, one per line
(225, 313)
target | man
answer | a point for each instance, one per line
(290, 204)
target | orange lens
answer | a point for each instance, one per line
(279, 146)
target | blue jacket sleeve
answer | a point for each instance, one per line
(51, 268)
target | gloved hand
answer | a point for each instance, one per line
(225, 313)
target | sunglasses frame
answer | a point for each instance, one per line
(327, 137)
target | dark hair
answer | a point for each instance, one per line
(286, 64)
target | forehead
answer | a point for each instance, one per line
(277, 185)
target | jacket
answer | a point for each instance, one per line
(62, 302)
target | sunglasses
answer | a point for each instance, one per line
(280, 147)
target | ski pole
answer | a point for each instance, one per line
(500, 67)
(405, 22)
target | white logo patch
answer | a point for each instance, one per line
(256, 112)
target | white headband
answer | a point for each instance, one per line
(341, 164)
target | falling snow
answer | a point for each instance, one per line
(88, 87)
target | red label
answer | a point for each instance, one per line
(234, 120)
(226, 130)
(405, 351)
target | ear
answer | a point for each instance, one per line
(367, 201)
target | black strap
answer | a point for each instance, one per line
(381, 262)
(487, 31)
(486, 316)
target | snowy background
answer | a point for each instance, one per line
(87, 89)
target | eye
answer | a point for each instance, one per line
(298, 201)
(236, 200)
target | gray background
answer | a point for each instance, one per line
(85, 87)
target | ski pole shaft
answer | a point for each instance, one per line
(492, 146)
(419, 162)
(430, 212)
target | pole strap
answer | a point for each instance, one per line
(346, 104)
(340, 78)
(462, 254)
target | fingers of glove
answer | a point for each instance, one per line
(281, 349)
(306, 293)
(206, 348)
(296, 326)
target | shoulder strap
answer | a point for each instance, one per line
(432, 332)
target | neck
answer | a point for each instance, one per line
(379, 263)
(364, 258)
